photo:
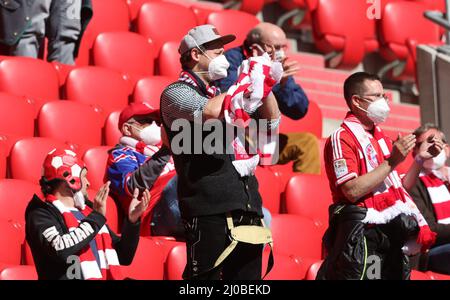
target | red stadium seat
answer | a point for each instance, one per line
(342, 26)
(14, 197)
(284, 268)
(312, 122)
(76, 124)
(312, 271)
(148, 90)
(400, 41)
(201, 9)
(63, 71)
(109, 15)
(148, 262)
(125, 52)
(252, 6)
(27, 157)
(112, 132)
(269, 190)
(175, 263)
(233, 22)
(109, 93)
(3, 155)
(95, 160)
(134, 6)
(16, 115)
(34, 79)
(296, 236)
(309, 196)
(437, 276)
(417, 275)
(162, 22)
(11, 239)
(169, 60)
(19, 273)
(112, 211)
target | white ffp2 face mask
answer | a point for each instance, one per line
(437, 162)
(217, 68)
(279, 55)
(150, 135)
(378, 110)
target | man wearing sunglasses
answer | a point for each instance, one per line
(300, 147)
(140, 160)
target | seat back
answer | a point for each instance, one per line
(234, 22)
(109, 93)
(14, 197)
(95, 160)
(169, 60)
(312, 122)
(163, 21)
(74, 123)
(16, 115)
(28, 155)
(148, 262)
(148, 90)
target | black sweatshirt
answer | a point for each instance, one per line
(45, 225)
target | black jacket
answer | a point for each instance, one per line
(209, 184)
(349, 243)
(52, 262)
(16, 17)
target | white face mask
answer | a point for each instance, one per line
(150, 135)
(436, 163)
(218, 67)
(378, 110)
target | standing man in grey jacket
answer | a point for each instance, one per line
(24, 24)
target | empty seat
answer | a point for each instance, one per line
(109, 15)
(169, 60)
(342, 29)
(76, 124)
(269, 190)
(16, 119)
(19, 273)
(252, 6)
(284, 268)
(148, 262)
(201, 9)
(32, 78)
(162, 22)
(27, 157)
(309, 196)
(112, 132)
(296, 236)
(95, 160)
(313, 269)
(312, 122)
(63, 71)
(128, 53)
(233, 22)
(175, 263)
(417, 275)
(11, 239)
(148, 90)
(402, 28)
(109, 93)
(14, 197)
(3, 156)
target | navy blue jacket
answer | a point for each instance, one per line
(291, 98)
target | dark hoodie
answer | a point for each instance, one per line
(52, 263)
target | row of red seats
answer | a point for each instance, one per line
(351, 34)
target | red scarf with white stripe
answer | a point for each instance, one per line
(439, 194)
(390, 198)
(109, 268)
(259, 86)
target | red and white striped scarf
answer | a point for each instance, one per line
(439, 194)
(390, 198)
(211, 91)
(256, 77)
(109, 268)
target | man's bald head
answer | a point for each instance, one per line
(266, 34)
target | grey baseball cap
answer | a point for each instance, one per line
(202, 34)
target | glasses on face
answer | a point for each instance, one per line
(374, 96)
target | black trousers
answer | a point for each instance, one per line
(208, 236)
